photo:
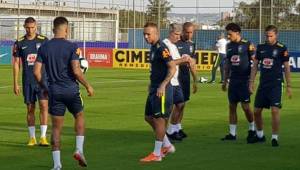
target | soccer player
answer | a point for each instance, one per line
(185, 47)
(271, 56)
(60, 58)
(221, 47)
(159, 102)
(25, 50)
(239, 54)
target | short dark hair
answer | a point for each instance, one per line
(233, 27)
(151, 24)
(29, 20)
(271, 28)
(58, 21)
(187, 25)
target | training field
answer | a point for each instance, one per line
(117, 136)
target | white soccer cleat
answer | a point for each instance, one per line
(56, 168)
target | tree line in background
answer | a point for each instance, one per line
(283, 13)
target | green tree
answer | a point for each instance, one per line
(153, 10)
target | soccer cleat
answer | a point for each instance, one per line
(32, 141)
(80, 158)
(151, 158)
(44, 142)
(251, 136)
(229, 137)
(166, 150)
(182, 134)
(275, 143)
(212, 81)
(174, 137)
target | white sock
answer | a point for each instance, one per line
(179, 127)
(43, 130)
(260, 133)
(275, 136)
(175, 128)
(157, 148)
(166, 142)
(31, 131)
(232, 129)
(56, 158)
(252, 126)
(79, 143)
(170, 129)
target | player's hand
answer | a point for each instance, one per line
(224, 86)
(17, 90)
(251, 87)
(161, 91)
(289, 92)
(195, 87)
(90, 91)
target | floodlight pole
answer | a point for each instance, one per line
(260, 20)
(18, 26)
(272, 12)
(158, 18)
(133, 23)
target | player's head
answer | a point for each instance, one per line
(175, 31)
(271, 34)
(151, 33)
(188, 31)
(30, 26)
(233, 32)
(61, 26)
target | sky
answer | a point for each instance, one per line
(180, 6)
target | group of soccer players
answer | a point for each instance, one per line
(173, 59)
(51, 73)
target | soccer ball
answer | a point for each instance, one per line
(84, 65)
(203, 80)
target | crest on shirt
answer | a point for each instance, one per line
(251, 47)
(191, 49)
(78, 51)
(38, 45)
(286, 53)
(275, 53)
(240, 48)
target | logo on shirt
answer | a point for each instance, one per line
(251, 47)
(267, 63)
(235, 60)
(31, 59)
(38, 45)
(286, 53)
(240, 48)
(165, 53)
(191, 49)
(152, 56)
(23, 48)
(275, 53)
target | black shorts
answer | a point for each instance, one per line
(159, 107)
(267, 97)
(178, 96)
(64, 98)
(32, 93)
(238, 91)
(186, 89)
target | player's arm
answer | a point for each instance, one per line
(80, 77)
(16, 70)
(226, 74)
(37, 72)
(194, 75)
(253, 73)
(287, 72)
(171, 71)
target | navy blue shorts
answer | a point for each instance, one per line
(159, 107)
(177, 95)
(59, 100)
(186, 89)
(268, 97)
(238, 91)
(32, 93)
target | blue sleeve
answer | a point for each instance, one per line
(16, 50)
(285, 54)
(40, 55)
(75, 52)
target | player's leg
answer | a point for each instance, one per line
(79, 130)
(31, 124)
(57, 124)
(275, 125)
(250, 117)
(259, 125)
(214, 69)
(43, 121)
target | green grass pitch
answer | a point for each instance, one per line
(117, 135)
